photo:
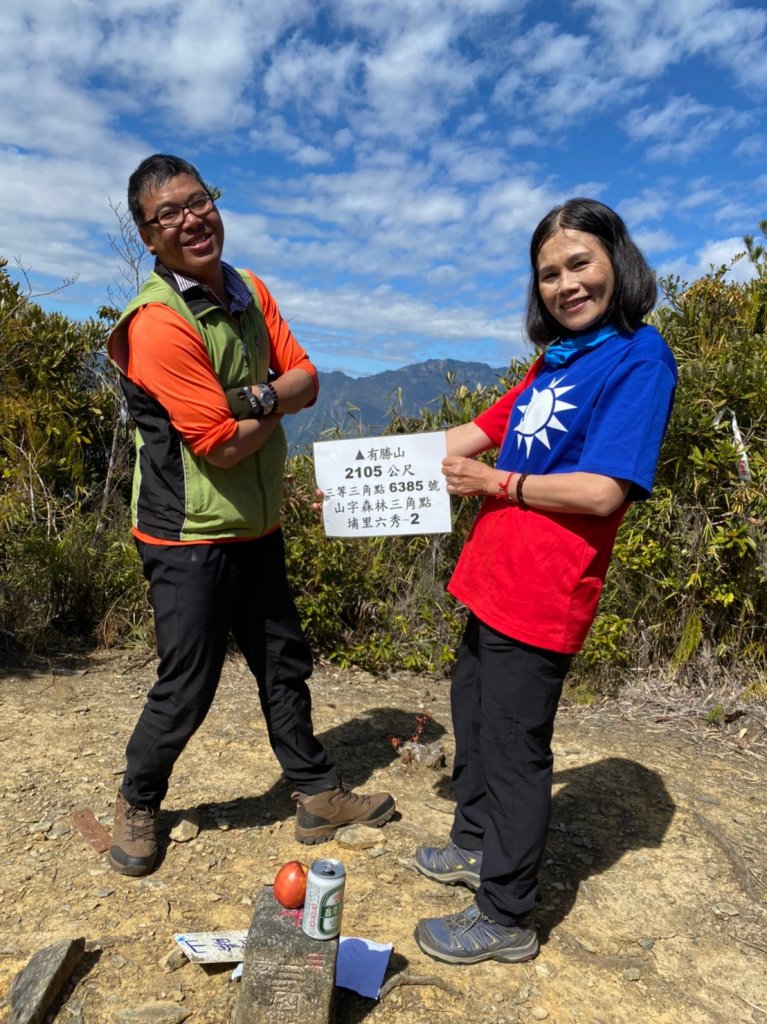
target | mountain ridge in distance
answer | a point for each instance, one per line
(371, 397)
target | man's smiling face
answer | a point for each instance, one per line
(193, 247)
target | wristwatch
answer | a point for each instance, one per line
(268, 398)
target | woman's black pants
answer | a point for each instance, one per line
(504, 699)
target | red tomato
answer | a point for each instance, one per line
(290, 884)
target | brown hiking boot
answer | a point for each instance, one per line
(134, 838)
(320, 815)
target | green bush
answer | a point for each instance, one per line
(689, 582)
(83, 584)
(67, 566)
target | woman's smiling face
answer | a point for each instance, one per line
(575, 279)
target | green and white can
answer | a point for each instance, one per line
(324, 901)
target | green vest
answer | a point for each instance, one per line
(178, 495)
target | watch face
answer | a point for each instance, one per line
(266, 396)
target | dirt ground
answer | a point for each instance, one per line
(655, 877)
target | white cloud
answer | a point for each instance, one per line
(393, 196)
(413, 83)
(546, 51)
(316, 78)
(519, 137)
(714, 253)
(273, 132)
(648, 37)
(721, 252)
(443, 275)
(650, 204)
(51, 205)
(514, 206)
(614, 58)
(752, 147)
(668, 121)
(382, 21)
(391, 326)
(467, 163)
(679, 129)
(700, 197)
(111, 56)
(651, 242)
(559, 77)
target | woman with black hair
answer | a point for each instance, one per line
(578, 441)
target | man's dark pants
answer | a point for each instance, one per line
(199, 593)
(504, 698)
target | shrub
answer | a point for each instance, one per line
(688, 579)
(66, 561)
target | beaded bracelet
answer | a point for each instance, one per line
(520, 496)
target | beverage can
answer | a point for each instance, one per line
(324, 901)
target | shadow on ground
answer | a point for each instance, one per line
(360, 747)
(601, 810)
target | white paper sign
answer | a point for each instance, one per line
(213, 947)
(383, 486)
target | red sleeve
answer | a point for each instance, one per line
(285, 352)
(493, 421)
(168, 359)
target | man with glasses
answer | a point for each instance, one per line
(209, 367)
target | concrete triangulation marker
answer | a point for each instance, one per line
(286, 976)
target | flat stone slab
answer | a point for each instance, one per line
(36, 986)
(286, 976)
(359, 837)
(156, 1012)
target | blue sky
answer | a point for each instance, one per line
(383, 164)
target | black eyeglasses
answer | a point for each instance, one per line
(173, 216)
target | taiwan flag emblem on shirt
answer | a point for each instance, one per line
(539, 415)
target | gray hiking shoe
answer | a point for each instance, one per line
(450, 864)
(469, 938)
(320, 815)
(134, 838)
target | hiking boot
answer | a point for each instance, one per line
(469, 938)
(320, 815)
(450, 864)
(134, 838)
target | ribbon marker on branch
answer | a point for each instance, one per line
(744, 471)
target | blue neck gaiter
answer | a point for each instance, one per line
(561, 352)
